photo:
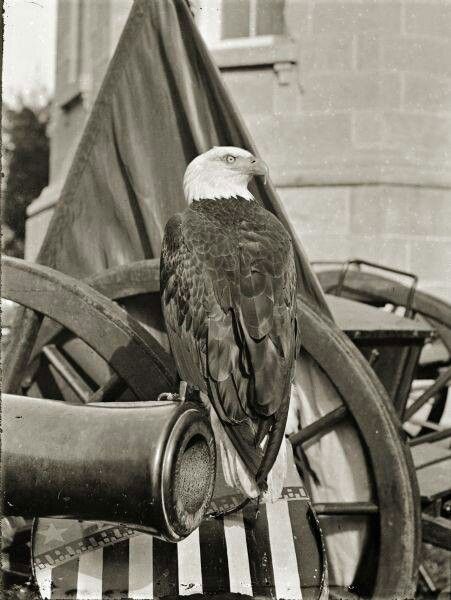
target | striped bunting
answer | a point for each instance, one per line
(284, 563)
(140, 574)
(190, 565)
(273, 556)
(239, 570)
(90, 575)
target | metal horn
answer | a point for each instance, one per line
(151, 465)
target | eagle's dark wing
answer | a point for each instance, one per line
(228, 286)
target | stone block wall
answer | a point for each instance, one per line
(351, 108)
(399, 226)
(358, 135)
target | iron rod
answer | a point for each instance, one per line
(345, 508)
(319, 427)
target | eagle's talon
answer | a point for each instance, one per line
(173, 397)
(168, 396)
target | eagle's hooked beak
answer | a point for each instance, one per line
(258, 167)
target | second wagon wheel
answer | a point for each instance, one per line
(367, 501)
(433, 374)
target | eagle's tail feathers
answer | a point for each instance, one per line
(275, 441)
(276, 476)
(235, 472)
(237, 475)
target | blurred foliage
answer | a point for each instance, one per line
(25, 159)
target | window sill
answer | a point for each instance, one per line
(70, 96)
(257, 51)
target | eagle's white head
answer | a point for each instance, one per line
(221, 172)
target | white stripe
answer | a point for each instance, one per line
(90, 571)
(44, 581)
(237, 555)
(285, 566)
(140, 581)
(190, 569)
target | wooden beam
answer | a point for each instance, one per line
(436, 531)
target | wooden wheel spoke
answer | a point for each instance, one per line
(320, 427)
(431, 437)
(17, 359)
(440, 382)
(345, 508)
(63, 367)
(110, 390)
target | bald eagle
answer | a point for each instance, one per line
(228, 290)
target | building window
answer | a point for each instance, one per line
(250, 18)
(253, 22)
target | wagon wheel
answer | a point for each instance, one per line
(130, 356)
(435, 360)
(392, 511)
(364, 408)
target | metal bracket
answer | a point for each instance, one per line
(283, 72)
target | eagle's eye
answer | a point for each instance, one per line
(230, 159)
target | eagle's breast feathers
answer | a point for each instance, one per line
(228, 286)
